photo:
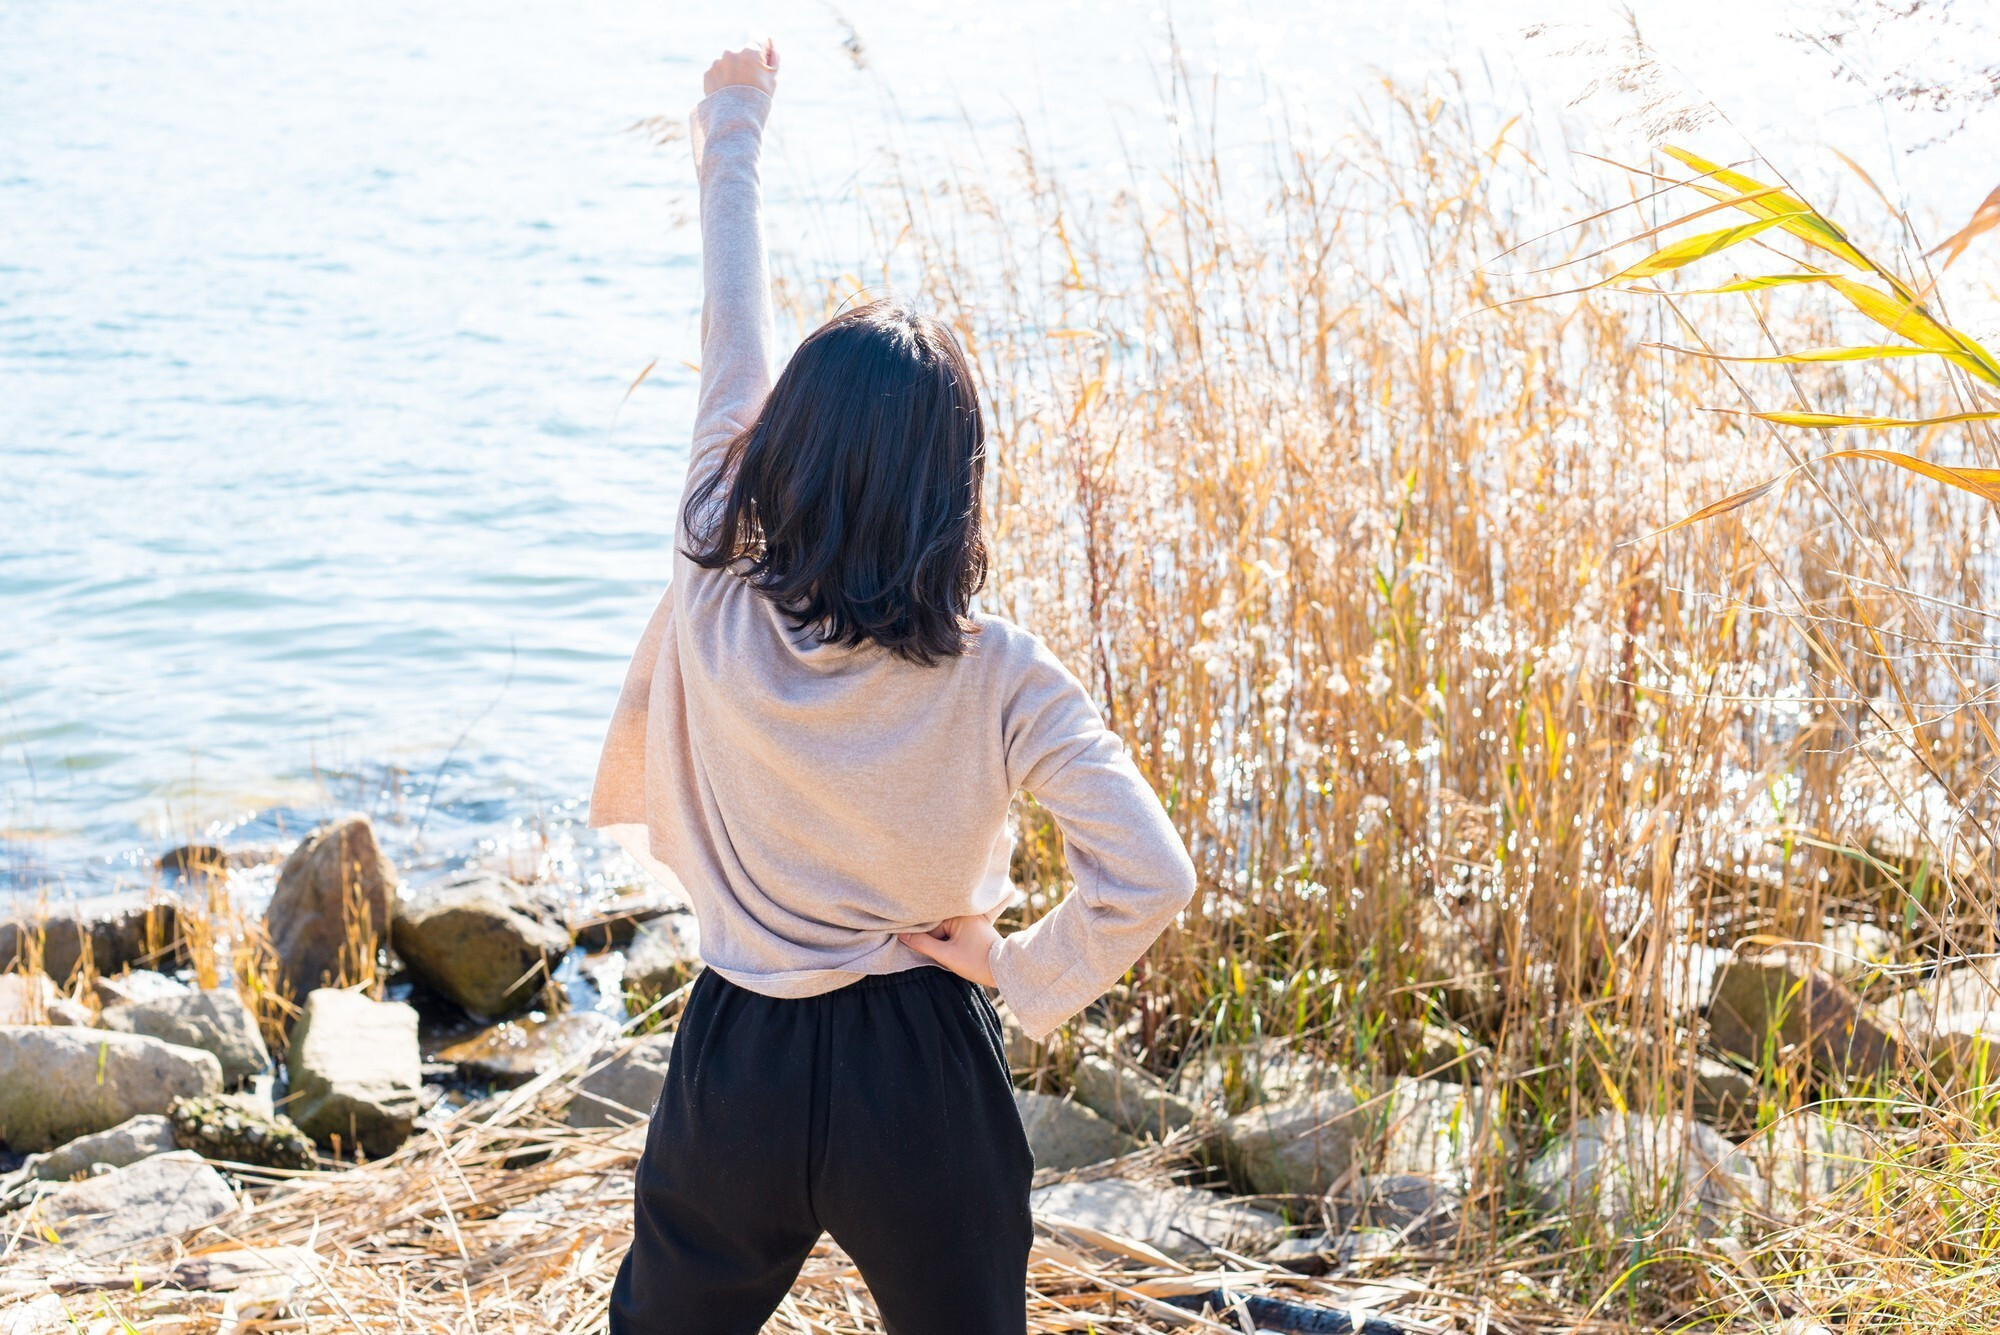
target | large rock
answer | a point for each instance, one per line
(1723, 1096)
(236, 1128)
(664, 954)
(1808, 1159)
(115, 931)
(1413, 1207)
(1130, 1099)
(130, 1141)
(1777, 1007)
(330, 911)
(60, 1083)
(480, 942)
(512, 1053)
(622, 1092)
(25, 998)
(1306, 1144)
(1068, 1135)
(139, 985)
(1857, 953)
(1634, 1172)
(1180, 1221)
(165, 1196)
(215, 1021)
(356, 1075)
(616, 921)
(1935, 1003)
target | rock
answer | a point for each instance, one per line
(63, 1011)
(1064, 1135)
(1439, 1052)
(479, 942)
(1024, 1054)
(615, 923)
(215, 1021)
(1970, 989)
(1775, 1007)
(116, 931)
(134, 1139)
(1458, 966)
(1180, 1221)
(330, 911)
(139, 985)
(25, 998)
(1304, 1145)
(355, 1071)
(1723, 1096)
(1634, 1172)
(663, 955)
(1416, 1208)
(1687, 977)
(514, 1052)
(1966, 1048)
(190, 861)
(1130, 1099)
(161, 1197)
(622, 1091)
(1244, 1077)
(1857, 952)
(58, 1084)
(1808, 1158)
(238, 1129)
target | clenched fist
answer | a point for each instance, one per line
(753, 67)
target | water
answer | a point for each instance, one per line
(319, 485)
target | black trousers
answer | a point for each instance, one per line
(881, 1113)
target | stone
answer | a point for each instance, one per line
(1067, 1135)
(1024, 1054)
(355, 1072)
(665, 954)
(25, 998)
(1435, 1051)
(1306, 1144)
(131, 1140)
(1723, 1096)
(1808, 1158)
(1777, 1007)
(615, 922)
(60, 1083)
(63, 1011)
(139, 985)
(1457, 966)
(1857, 953)
(1180, 1221)
(115, 931)
(479, 942)
(512, 1053)
(1130, 1099)
(1687, 977)
(165, 1196)
(1416, 1208)
(1970, 989)
(1966, 1048)
(1246, 1076)
(623, 1090)
(216, 1020)
(330, 911)
(1633, 1172)
(237, 1128)
(192, 861)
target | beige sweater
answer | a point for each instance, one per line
(811, 800)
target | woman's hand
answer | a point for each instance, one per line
(963, 945)
(753, 67)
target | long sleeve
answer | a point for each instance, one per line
(1132, 873)
(727, 130)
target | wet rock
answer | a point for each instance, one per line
(665, 954)
(330, 911)
(60, 1083)
(622, 1091)
(114, 931)
(191, 861)
(514, 1052)
(355, 1072)
(165, 1196)
(1724, 1096)
(615, 923)
(1064, 1135)
(1634, 1172)
(215, 1021)
(140, 985)
(235, 1128)
(1130, 1099)
(1304, 1145)
(1778, 1007)
(479, 941)
(1416, 1208)
(134, 1139)
(1179, 1221)
(1808, 1159)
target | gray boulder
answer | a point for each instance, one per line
(1412, 1207)
(215, 1021)
(1809, 1159)
(161, 1197)
(1942, 1002)
(1130, 1099)
(130, 1141)
(1179, 1221)
(480, 942)
(356, 1076)
(512, 1053)
(1065, 1135)
(25, 998)
(139, 985)
(60, 1083)
(115, 931)
(1635, 1173)
(664, 954)
(622, 1092)
(1305, 1144)
(330, 911)
(1778, 1006)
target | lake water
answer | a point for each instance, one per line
(318, 484)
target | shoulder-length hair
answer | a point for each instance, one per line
(853, 501)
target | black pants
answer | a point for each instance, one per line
(881, 1113)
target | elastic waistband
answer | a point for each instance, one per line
(915, 974)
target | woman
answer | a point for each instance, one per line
(818, 741)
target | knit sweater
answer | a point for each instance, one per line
(812, 800)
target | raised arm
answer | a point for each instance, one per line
(728, 132)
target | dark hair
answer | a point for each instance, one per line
(854, 497)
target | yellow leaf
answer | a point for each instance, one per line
(1690, 249)
(1864, 423)
(1803, 223)
(1981, 482)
